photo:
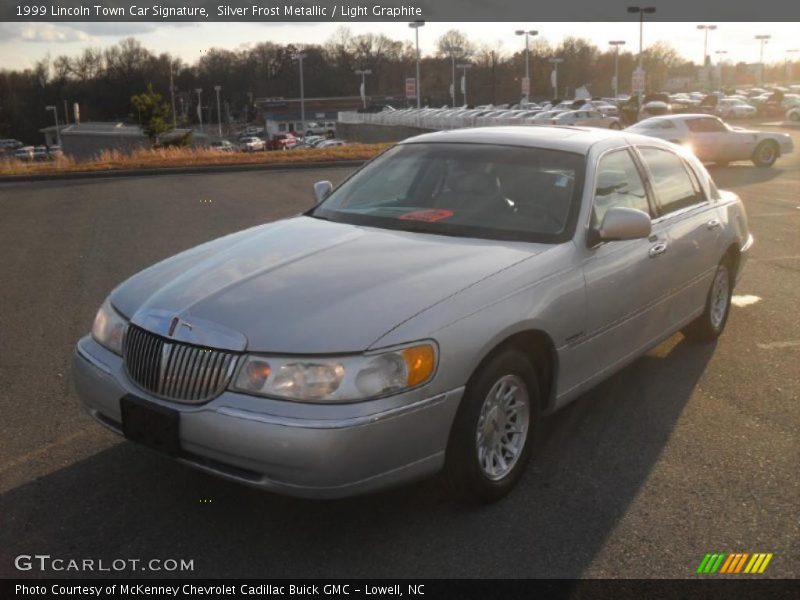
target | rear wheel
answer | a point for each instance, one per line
(709, 326)
(494, 429)
(794, 116)
(765, 154)
(614, 125)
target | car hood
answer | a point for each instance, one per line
(304, 285)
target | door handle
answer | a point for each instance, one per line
(657, 249)
(713, 224)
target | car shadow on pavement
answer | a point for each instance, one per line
(742, 175)
(128, 502)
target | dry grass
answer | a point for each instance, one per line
(185, 157)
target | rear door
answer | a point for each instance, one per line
(694, 231)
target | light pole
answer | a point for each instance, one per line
(55, 116)
(453, 50)
(299, 56)
(555, 62)
(363, 73)
(764, 39)
(465, 67)
(705, 29)
(616, 44)
(527, 33)
(641, 12)
(415, 25)
(199, 107)
(172, 97)
(790, 64)
(217, 89)
(720, 55)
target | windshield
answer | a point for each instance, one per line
(471, 190)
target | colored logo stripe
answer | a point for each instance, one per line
(736, 562)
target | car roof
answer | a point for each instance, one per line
(568, 139)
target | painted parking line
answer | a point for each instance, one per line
(779, 345)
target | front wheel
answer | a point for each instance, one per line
(709, 326)
(614, 125)
(491, 439)
(765, 154)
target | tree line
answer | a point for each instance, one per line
(103, 81)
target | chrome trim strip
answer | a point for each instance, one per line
(334, 423)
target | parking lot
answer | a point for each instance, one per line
(692, 449)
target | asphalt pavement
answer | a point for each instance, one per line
(692, 449)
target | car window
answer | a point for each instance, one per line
(705, 125)
(618, 184)
(673, 186)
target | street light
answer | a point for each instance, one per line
(616, 44)
(706, 29)
(217, 89)
(790, 63)
(415, 25)
(199, 107)
(555, 62)
(764, 39)
(363, 73)
(55, 116)
(299, 56)
(720, 55)
(527, 34)
(453, 50)
(465, 67)
(641, 12)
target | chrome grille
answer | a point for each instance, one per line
(175, 370)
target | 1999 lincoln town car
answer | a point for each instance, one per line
(423, 316)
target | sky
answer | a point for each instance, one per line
(22, 44)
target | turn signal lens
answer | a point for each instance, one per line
(420, 362)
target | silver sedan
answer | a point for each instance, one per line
(424, 316)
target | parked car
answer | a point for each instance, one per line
(735, 108)
(24, 153)
(327, 128)
(331, 143)
(252, 144)
(590, 118)
(223, 146)
(40, 153)
(55, 151)
(425, 315)
(713, 140)
(10, 144)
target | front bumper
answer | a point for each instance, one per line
(292, 448)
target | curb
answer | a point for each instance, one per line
(180, 171)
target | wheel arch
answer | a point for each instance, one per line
(538, 346)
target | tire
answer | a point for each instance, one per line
(795, 116)
(476, 433)
(710, 325)
(614, 126)
(765, 154)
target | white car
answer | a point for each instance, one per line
(591, 118)
(713, 140)
(24, 153)
(735, 108)
(320, 128)
(252, 144)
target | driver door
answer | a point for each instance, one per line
(625, 280)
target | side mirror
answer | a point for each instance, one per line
(322, 189)
(623, 224)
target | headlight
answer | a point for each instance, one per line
(109, 328)
(337, 379)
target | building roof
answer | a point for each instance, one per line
(101, 128)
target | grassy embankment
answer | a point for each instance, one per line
(185, 157)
